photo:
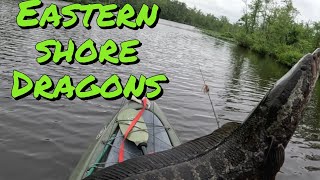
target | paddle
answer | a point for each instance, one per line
(139, 133)
(135, 130)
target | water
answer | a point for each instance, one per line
(44, 140)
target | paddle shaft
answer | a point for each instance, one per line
(144, 150)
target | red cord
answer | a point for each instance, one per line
(132, 124)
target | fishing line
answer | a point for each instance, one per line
(206, 91)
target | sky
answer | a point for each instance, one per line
(233, 9)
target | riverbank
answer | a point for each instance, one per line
(287, 56)
(226, 37)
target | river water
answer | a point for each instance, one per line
(44, 140)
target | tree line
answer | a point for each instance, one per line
(270, 28)
(267, 27)
(174, 10)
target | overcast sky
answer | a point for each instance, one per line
(233, 9)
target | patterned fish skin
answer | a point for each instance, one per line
(253, 151)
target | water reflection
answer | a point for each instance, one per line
(310, 125)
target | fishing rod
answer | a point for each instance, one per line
(206, 91)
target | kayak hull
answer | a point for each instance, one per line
(104, 149)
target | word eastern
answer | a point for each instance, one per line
(110, 16)
(86, 89)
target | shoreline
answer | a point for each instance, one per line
(233, 40)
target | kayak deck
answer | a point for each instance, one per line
(104, 151)
(158, 140)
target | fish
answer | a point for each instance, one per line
(253, 150)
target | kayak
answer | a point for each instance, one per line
(152, 128)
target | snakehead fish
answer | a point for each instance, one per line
(253, 151)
